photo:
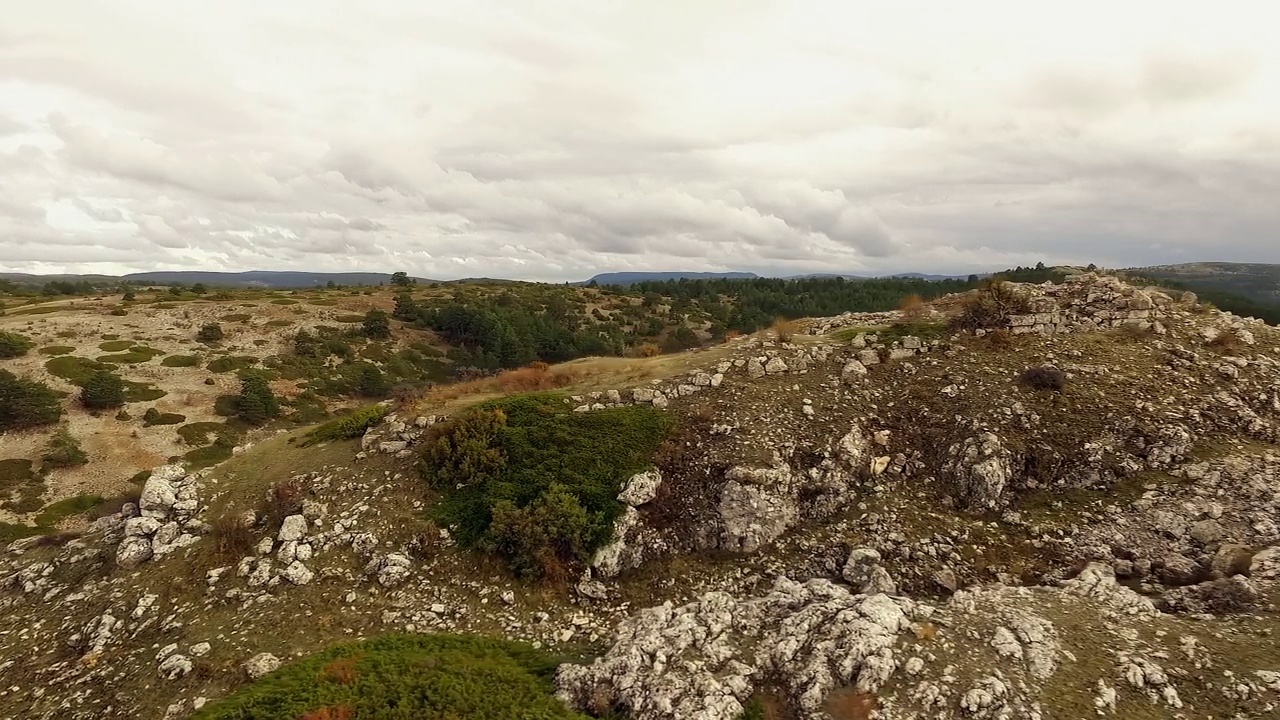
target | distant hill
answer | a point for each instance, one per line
(1255, 281)
(252, 278)
(631, 278)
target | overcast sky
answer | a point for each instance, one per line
(550, 140)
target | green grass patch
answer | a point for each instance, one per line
(72, 368)
(351, 425)
(57, 512)
(889, 333)
(231, 363)
(208, 456)
(136, 354)
(425, 677)
(141, 392)
(279, 323)
(16, 531)
(155, 417)
(284, 301)
(115, 345)
(112, 336)
(536, 483)
(235, 317)
(349, 318)
(325, 302)
(180, 361)
(197, 433)
(56, 350)
(15, 472)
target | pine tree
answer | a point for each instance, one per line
(104, 389)
(256, 403)
(26, 403)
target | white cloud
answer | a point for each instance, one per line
(554, 141)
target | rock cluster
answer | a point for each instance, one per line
(164, 520)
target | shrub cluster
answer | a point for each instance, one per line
(530, 480)
(425, 677)
(63, 451)
(210, 333)
(103, 389)
(13, 344)
(26, 403)
(256, 403)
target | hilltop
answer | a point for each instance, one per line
(1050, 499)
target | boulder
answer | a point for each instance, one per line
(261, 664)
(293, 528)
(641, 488)
(980, 469)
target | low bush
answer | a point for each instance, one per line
(528, 479)
(103, 389)
(75, 370)
(56, 350)
(13, 345)
(26, 403)
(352, 425)
(63, 451)
(115, 345)
(231, 363)
(155, 417)
(210, 333)
(990, 307)
(256, 403)
(197, 433)
(425, 677)
(232, 539)
(135, 355)
(1044, 377)
(283, 499)
(56, 512)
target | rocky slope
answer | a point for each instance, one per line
(869, 520)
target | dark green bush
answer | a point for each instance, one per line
(104, 389)
(372, 382)
(231, 363)
(155, 417)
(26, 403)
(179, 361)
(256, 403)
(529, 479)
(397, 677)
(74, 369)
(377, 325)
(63, 451)
(346, 427)
(13, 344)
(210, 333)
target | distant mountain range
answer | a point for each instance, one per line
(631, 278)
(252, 278)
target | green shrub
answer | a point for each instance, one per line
(394, 677)
(210, 333)
(63, 451)
(529, 479)
(180, 361)
(197, 433)
(115, 345)
(103, 389)
(141, 392)
(231, 363)
(15, 472)
(350, 318)
(226, 405)
(212, 454)
(137, 354)
(377, 325)
(26, 403)
(352, 425)
(372, 382)
(13, 344)
(256, 403)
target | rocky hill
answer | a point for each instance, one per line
(1025, 501)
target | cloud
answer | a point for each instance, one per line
(464, 139)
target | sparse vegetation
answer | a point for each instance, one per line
(231, 363)
(180, 361)
(56, 350)
(115, 345)
(425, 677)
(74, 369)
(155, 417)
(63, 451)
(377, 325)
(56, 512)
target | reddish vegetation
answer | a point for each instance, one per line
(343, 670)
(851, 705)
(335, 712)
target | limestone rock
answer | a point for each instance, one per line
(260, 665)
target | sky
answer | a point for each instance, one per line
(557, 139)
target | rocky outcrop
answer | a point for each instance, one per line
(980, 469)
(811, 637)
(163, 521)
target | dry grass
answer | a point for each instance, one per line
(783, 330)
(283, 499)
(1225, 341)
(912, 308)
(343, 670)
(333, 712)
(648, 350)
(849, 704)
(232, 540)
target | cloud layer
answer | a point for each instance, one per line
(553, 140)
